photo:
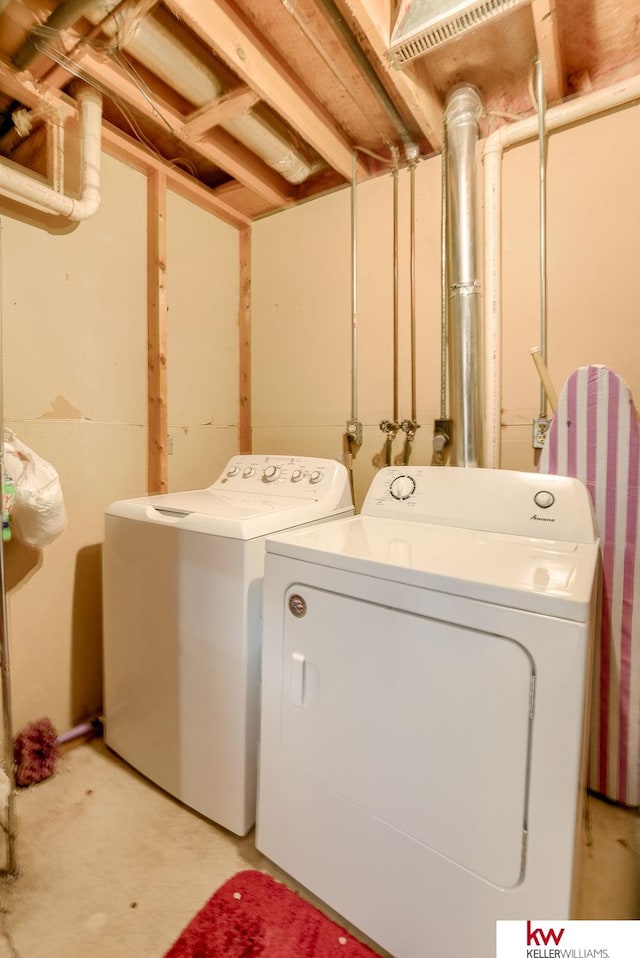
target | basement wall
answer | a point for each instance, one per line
(74, 319)
(74, 327)
(301, 321)
(301, 297)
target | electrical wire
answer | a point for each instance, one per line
(64, 61)
(376, 156)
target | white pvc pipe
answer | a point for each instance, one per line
(26, 189)
(572, 111)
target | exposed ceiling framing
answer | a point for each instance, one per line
(287, 94)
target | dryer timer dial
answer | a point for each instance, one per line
(402, 487)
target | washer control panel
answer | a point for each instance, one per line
(493, 500)
(300, 477)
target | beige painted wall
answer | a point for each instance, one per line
(74, 317)
(202, 344)
(593, 255)
(301, 321)
(301, 306)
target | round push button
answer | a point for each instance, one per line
(544, 499)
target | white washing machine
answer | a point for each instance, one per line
(424, 689)
(182, 583)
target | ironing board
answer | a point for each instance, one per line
(594, 436)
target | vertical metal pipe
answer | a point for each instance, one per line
(462, 112)
(542, 104)
(396, 332)
(444, 284)
(412, 260)
(354, 289)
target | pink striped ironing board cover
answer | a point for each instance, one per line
(594, 436)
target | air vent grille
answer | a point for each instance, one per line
(412, 39)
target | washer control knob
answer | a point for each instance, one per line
(233, 471)
(315, 476)
(249, 471)
(544, 499)
(402, 487)
(270, 473)
(297, 475)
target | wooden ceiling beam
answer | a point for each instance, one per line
(230, 156)
(226, 108)
(419, 97)
(22, 87)
(545, 22)
(234, 41)
(120, 146)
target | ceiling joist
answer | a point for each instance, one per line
(233, 40)
(419, 97)
(24, 89)
(229, 155)
(545, 22)
(266, 103)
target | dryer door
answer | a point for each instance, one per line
(422, 724)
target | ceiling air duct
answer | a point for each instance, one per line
(422, 25)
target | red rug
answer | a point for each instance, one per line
(253, 915)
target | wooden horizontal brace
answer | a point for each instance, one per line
(232, 39)
(227, 107)
(22, 87)
(233, 158)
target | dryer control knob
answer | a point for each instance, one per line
(233, 471)
(402, 487)
(297, 475)
(270, 473)
(315, 476)
(249, 471)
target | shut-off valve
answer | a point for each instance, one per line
(441, 441)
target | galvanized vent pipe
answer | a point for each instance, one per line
(462, 113)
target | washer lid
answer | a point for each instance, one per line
(546, 576)
(254, 496)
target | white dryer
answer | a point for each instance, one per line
(182, 584)
(424, 689)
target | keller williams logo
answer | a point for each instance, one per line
(536, 936)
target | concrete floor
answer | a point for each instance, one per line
(111, 867)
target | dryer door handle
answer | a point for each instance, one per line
(296, 682)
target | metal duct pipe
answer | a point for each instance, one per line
(64, 15)
(462, 113)
(150, 42)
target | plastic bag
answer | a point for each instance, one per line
(38, 513)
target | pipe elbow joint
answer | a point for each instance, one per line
(463, 105)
